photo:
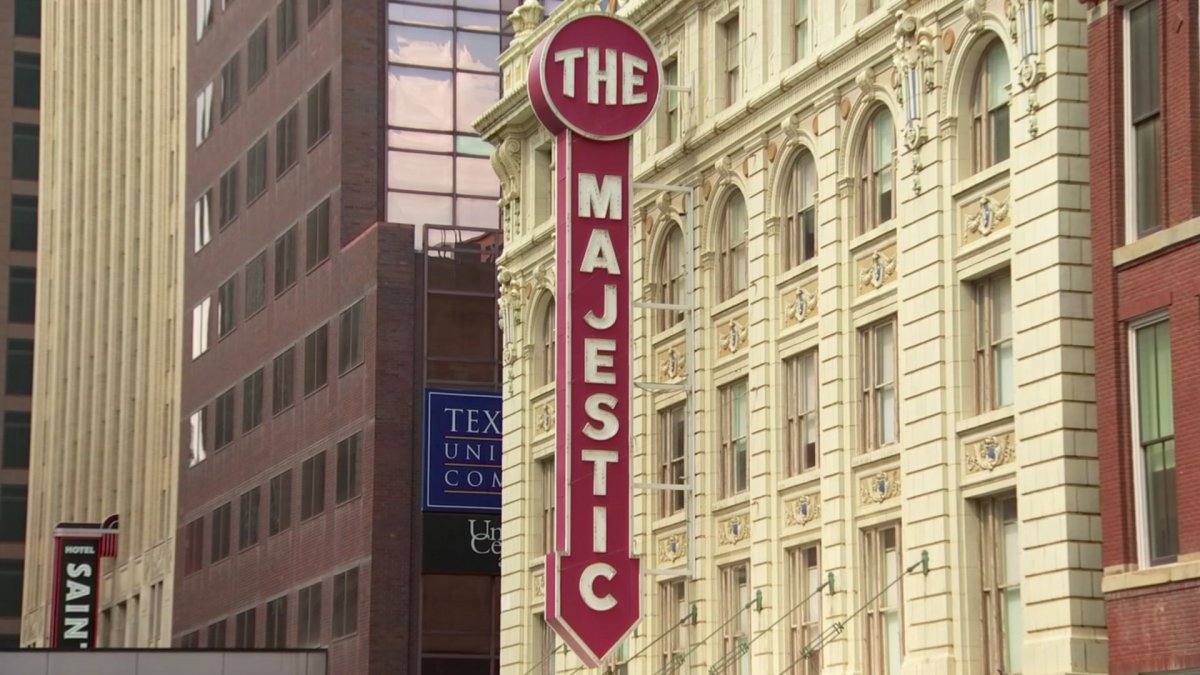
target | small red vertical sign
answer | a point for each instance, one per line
(593, 82)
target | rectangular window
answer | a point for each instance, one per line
(1000, 565)
(734, 425)
(350, 348)
(257, 56)
(25, 151)
(283, 381)
(672, 466)
(24, 233)
(316, 236)
(315, 9)
(198, 444)
(316, 359)
(18, 376)
(285, 261)
(252, 400)
(248, 518)
(222, 518)
(285, 27)
(192, 639)
(545, 646)
(735, 600)
(244, 626)
(675, 612)
(200, 319)
(345, 603)
(28, 18)
(878, 407)
(308, 633)
(256, 284)
(193, 546)
(312, 486)
(202, 222)
(229, 196)
(277, 623)
(731, 33)
(994, 384)
(804, 603)
(13, 501)
(884, 635)
(1143, 136)
(801, 30)
(1153, 401)
(12, 581)
(801, 412)
(348, 468)
(217, 633)
(225, 405)
(280, 506)
(204, 106)
(318, 110)
(671, 118)
(287, 140)
(545, 479)
(22, 294)
(16, 440)
(230, 85)
(27, 76)
(227, 307)
(256, 169)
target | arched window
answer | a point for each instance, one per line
(734, 267)
(670, 273)
(800, 212)
(989, 109)
(547, 341)
(877, 180)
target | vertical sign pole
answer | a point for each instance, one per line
(593, 82)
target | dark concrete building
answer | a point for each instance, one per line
(20, 101)
(340, 260)
(1144, 88)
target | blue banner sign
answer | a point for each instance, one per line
(462, 451)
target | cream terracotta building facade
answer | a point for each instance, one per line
(106, 368)
(893, 371)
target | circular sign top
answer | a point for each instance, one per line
(596, 75)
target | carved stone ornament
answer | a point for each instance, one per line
(539, 585)
(526, 17)
(973, 11)
(864, 81)
(913, 59)
(544, 420)
(735, 530)
(879, 272)
(723, 171)
(880, 487)
(1027, 20)
(802, 305)
(733, 337)
(672, 549)
(802, 511)
(989, 216)
(990, 453)
(672, 364)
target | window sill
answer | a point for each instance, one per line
(317, 266)
(873, 235)
(250, 201)
(731, 502)
(285, 289)
(255, 313)
(1156, 243)
(980, 179)
(314, 392)
(280, 175)
(1116, 579)
(986, 419)
(877, 455)
(348, 500)
(803, 479)
(673, 520)
(317, 141)
(668, 334)
(737, 301)
(351, 369)
(800, 270)
(282, 410)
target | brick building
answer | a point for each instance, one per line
(338, 262)
(1144, 88)
(20, 100)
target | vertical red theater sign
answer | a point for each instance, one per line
(593, 82)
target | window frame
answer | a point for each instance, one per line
(874, 644)
(254, 290)
(316, 360)
(984, 112)
(1132, 204)
(670, 277)
(672, 458)
(1145, 556)
(277, 615)
(348, 481)
(672, 596)
(996, 581)
(252, 400)
(287, 141)
(734, 599)
(317, 226)
(260, 39)
(25, 65)
(249, 515)
(871, 179)
(256, 169)
(231, 85)
(345, 603)
(350, 338)
(245, 629)
(731, 74)
(733, 482)
(795, 30)
(225, 413)
(319, 114)
(279, 504)
(221, 532)
(733, 257)
(312, 486)
(987, 346)
(308, 618)
(801, 416)
(287, 30)
(227, 307)
(798, 216)
(548, 344)
(802, 627)
(871, 434)
(285, 272)
(283, 380)
(546, 479)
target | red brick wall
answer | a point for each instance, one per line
(1150, 629)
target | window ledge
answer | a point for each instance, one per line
(806, 478)
(873, 235)
(986, 419)
(1116, 580)
(888, 451)
(732, 502)
(1156, 243)
(980, 179)
(796, 272)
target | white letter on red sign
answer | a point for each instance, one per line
(595, 406)
(632, 71)
(600, 199)
(600, 603)
(597, 354)
(567, 57)
(600, 460)
(608, 76)
(609, 318)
